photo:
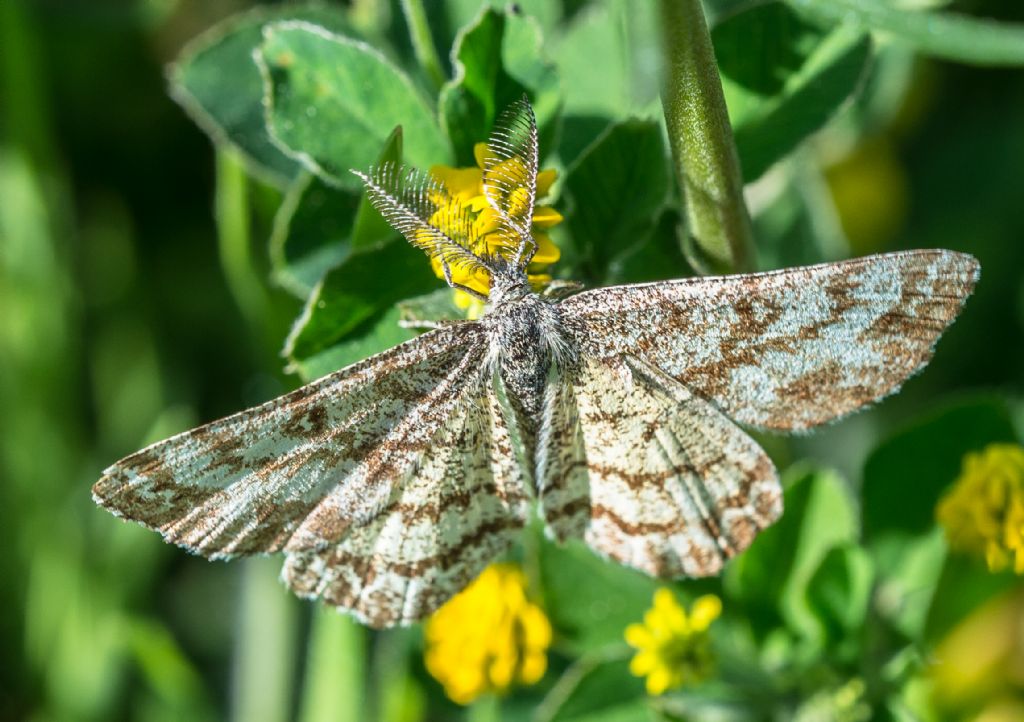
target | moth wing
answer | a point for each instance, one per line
(301, 470)
(649, 474)
(465, 506)
(789, 349)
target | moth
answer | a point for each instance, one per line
(616, 413)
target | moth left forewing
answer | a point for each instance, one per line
(465, 507)
(789, 349)
(649, 474)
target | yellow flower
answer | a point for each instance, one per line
(672, 646)
(983, 513)
(487, 637)
(465, 187)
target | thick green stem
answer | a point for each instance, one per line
(422, 41)
(703, 149)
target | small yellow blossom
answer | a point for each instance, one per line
(465, 191)
(983, 513)
(672, 646)
(487, 637)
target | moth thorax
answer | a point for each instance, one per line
(523, 358)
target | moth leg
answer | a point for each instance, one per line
(458, 286)
(562, 289)
(426, 324)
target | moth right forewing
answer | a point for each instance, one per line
(300, 470)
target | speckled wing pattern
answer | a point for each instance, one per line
(301, 471)
(638, 455)
(465, 507)
(787, 349)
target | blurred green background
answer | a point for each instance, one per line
(135, 303)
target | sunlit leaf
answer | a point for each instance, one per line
(434, 306)
(312, 229)
(332, 102)
(353, 296)
(216, 81)
(378, 333)
(608, 58)
(498, 58)
(317, 226)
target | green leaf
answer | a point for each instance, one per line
(772, 577)
(312, 230)
(909, 568)
(950, 36)
(497, 58)
(332, 102)
(591, 600)
(464, 12)
(906, 474)
(356, 293)
(605, 60)
(596, 689)
(317, 226)
(377, 334)
(216, 81)
(783, 78)
(370, 226)
(438, 305)
(659, 258)
(615, 191)
(839, 591)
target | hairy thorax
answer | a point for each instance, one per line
(527, 340)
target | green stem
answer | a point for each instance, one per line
(335, 674)
(231, 206)
(399, 696)
(485, 709)
(264, 650)
(703, 149)
(422, 41)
